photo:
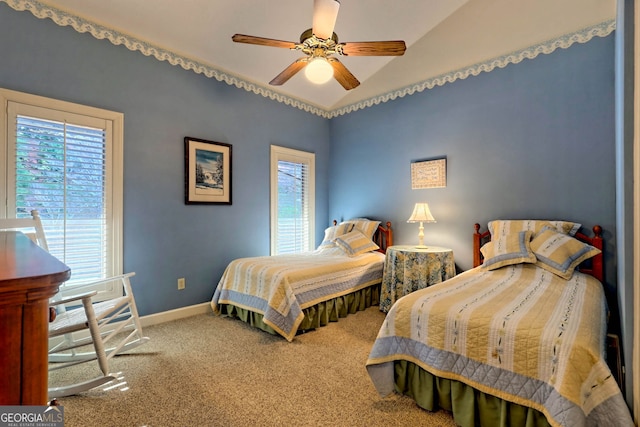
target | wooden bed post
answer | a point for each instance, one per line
(477, 256)
(597, 263)
(389, 241)
(595, 266)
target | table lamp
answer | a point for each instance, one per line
(421, 214)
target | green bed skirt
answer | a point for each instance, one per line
(317, 315)
(470, 407)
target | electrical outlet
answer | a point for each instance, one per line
(181, 283)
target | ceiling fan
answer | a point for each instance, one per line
(320, 43)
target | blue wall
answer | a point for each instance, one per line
(164, 239)
(532, 140)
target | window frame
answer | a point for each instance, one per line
(114, 170)
(279, 153)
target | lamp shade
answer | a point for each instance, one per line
(421, 213)
(318, 71)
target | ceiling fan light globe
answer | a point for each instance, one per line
(318, 71)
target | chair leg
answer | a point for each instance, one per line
(96, 336)
(68, 390)
(105, 322)
(131, 326)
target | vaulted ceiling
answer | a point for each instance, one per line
(442, 37)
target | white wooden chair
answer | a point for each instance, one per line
(113, 325)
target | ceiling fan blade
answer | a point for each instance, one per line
(342, 75)
(289, 72)
(325, 13)
(384, 48)
(243, 38)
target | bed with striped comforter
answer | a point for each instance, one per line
(280, 287)
(519, 333)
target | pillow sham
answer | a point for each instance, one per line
(508, 249)
(364, 225)
(560, 253)
(355, 243)
(501, 227)
(330, 234)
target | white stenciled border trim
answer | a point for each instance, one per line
(98, 31)
(81, 25)
(582, 36)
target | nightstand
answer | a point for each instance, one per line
(409, 268)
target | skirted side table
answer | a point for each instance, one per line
(409, 268)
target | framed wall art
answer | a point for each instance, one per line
(429, 174)
(207, 176)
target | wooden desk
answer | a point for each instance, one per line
(29, 276)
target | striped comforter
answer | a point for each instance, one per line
(519, 333)
(280, 287)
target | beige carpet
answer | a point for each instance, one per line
(211, 371)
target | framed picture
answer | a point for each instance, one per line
(207, 171)
(429, 174)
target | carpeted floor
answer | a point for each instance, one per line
(211, 371)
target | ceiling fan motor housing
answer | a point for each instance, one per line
(315, 47)
(309, 33)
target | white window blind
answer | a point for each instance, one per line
(60, 171)
(292, 198)
(65, 160)
(293, 208)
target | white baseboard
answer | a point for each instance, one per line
(175, 314)
(152, 319)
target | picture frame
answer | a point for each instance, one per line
(207, 171)
(429, 174)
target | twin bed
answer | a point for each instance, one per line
(287, 294)
(517, 340)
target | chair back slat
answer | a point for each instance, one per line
(32, 227)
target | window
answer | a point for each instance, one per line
(65, 160)
(292, 200)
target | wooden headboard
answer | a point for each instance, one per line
(383, 236)
(593, 266)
